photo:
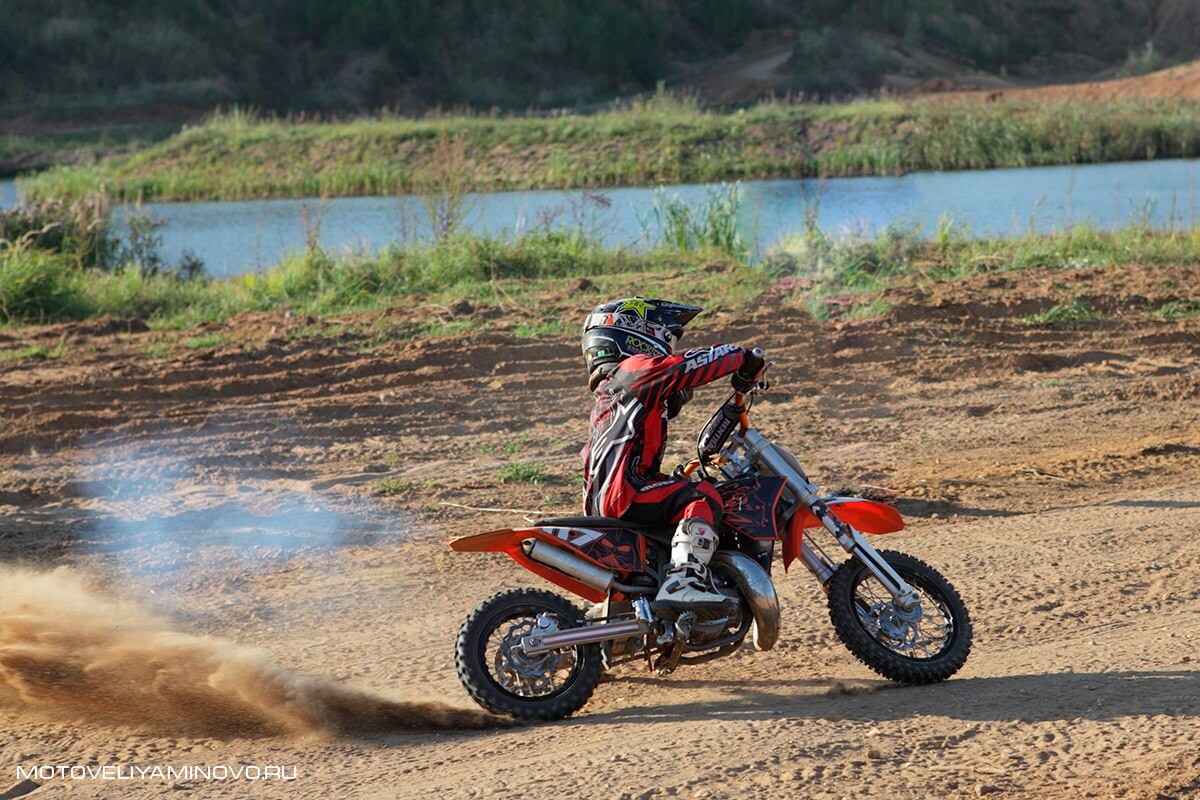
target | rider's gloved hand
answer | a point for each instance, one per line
(741, 384)
(747, 375)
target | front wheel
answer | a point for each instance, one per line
(502, 678)
(926, 645)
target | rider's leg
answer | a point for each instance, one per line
(696, 507)
(687, 582)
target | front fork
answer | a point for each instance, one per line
(756, 448)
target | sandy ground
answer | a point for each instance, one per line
(225, 555)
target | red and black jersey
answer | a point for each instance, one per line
(629, 422)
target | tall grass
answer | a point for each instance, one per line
(39, 286)
(677, 225)
(658, 140)
(44, 278)
(42, 286)
(76, 227)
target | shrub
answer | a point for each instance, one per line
(1141, 62)
(78, 229)
(36, 286)
(713, 225)
(1066, 314)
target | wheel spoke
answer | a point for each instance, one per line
(921, 644)
(923, 638)
(498, 673)
(521, 674)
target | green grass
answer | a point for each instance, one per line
(48, 282)
(522, 472)
(34, 352)
(873, 308)
(510, 447)
(1175, 309)
(904, 257)
(660, 140)
(1070, 313)
(444, 328)
(550, 327)
(205, 341)
(160, 350)
(59, 261)
(392, 487)
(38, 286)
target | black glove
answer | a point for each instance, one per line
(741, 384)
(747, 375)
(677, 401)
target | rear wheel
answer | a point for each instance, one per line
(926, 645)
(502, 678)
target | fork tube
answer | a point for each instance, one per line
(817, 565)
(758, 448)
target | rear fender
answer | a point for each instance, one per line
(620, 550)
(868, 516)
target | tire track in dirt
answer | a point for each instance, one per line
(1048, 471)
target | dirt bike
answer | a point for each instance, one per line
(533, 655)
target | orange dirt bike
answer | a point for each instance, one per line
(533, 655)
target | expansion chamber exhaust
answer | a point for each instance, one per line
(751, 579)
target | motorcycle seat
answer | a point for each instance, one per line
(593, 522)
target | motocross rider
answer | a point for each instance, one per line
(639, 383)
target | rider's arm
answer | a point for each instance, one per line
(698, 367)
(653, 380)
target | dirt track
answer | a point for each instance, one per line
(1050, 472)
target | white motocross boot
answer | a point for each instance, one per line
(686, 586)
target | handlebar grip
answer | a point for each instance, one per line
(752, 365)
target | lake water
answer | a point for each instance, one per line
(234, 237)
(8, 194)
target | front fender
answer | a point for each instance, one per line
(868, 516)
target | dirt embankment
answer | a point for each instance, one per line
(764, 67)
(1176, 83)
(295, 493)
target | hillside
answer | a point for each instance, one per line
(67, 64)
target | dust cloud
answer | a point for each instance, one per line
(68, 651)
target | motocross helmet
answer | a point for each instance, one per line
(633, 326)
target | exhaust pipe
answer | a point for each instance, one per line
(544, 553)
(755, 585)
